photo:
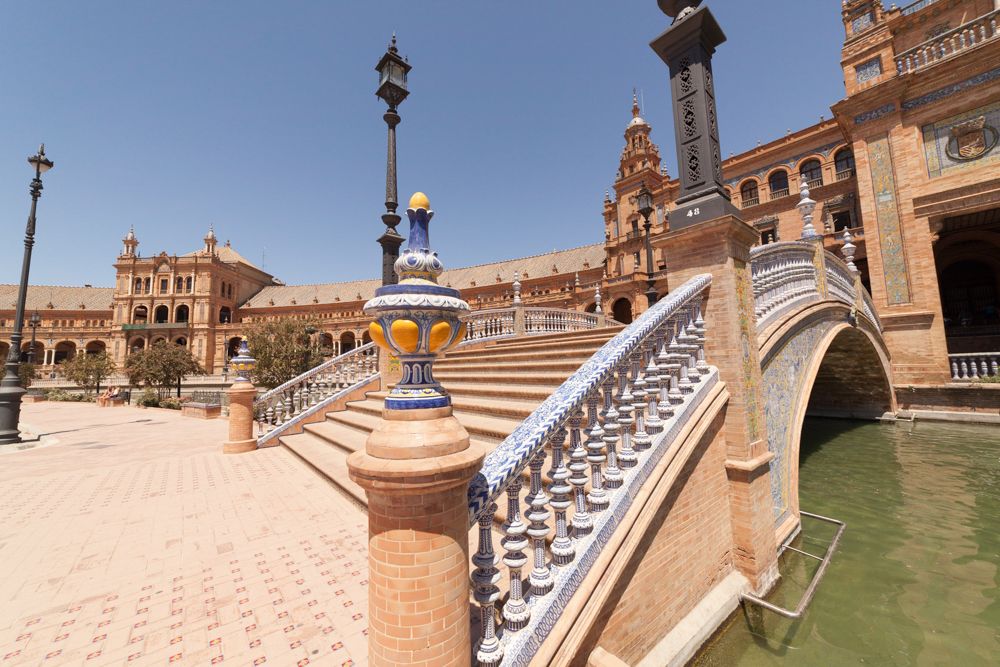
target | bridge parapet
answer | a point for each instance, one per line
(790, 274)
(650, 379)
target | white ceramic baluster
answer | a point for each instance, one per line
(489, 651)
(612, 473)
(582, 525)
(653, 423)
(597, 498)
(515, 611)
(541, 574)
(640, 439)
(623, 400)
(562, 547)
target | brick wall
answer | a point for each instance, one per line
(684, 555)
(958, 397)
(850, 381)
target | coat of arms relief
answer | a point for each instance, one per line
(971, 140)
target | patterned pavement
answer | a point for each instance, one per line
(127, 538)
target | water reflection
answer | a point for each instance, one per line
(916, 579)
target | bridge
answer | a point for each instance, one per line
(638, 481)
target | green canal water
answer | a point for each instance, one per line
(916, 577)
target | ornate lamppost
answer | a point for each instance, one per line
(644, 200)
(10, 387)
(392, 71)
(35, 320)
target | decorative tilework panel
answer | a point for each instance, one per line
(874, 114)
(790, 162)
(942, 93)
(784, 377)
(938, 135)
(868, 70)
(748, 347)
(887, 216)
(864, 21)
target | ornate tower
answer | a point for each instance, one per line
(210, 241)
(639, 153)
(129, 243)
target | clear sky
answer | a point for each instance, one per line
(260, 117)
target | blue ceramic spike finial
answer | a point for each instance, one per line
(417, 319)
(243, 363)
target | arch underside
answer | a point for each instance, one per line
(823, 366)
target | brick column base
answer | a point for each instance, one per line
(241, 421)
(416, 469)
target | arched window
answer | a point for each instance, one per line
(225, 315)
(622, 310)
(844, 161)
(140, 315)
(812, 173)
(137, 345)
(137, 288)
(749, 195)
(778, 183)
(161, 315)
(187, 284)
(145, 285)
(233, 347)
(179, 284)
(181, 341)
(347, 341)
(182, 315)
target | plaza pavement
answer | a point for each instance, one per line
(127, 538)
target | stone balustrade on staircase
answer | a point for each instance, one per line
(601, 432)
(518, 320)
(313, 392)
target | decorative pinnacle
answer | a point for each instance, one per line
(517, 288)
(806, 207)
(635, 104)
(243, 363)
(848, 250)
(597, 299)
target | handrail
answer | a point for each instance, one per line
(363, 349)
(969, 366)
(783, 273)
(277, 410)
(949, 43)
(495, 323)
(651, 376)
(807, 597)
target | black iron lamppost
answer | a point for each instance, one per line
(392, 71)
(35, 320)
(10, 387)
(644, 201)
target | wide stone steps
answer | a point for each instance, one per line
(500, 366)
(512, 376)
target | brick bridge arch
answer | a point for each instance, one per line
(818, 362)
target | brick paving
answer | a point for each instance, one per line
(127, 538)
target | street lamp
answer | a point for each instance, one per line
(644, 200)
(10, 387)
(392, 71)
(35, 320)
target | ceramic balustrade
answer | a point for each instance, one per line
(957, 40)
(554, 320)
(869, 308)
(606, 427)
(783, 272)
(974, 366)
(839, 279)
(487, 324)
(277, 409)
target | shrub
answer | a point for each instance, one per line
(171, 403)
(149, 398)
(71, 397)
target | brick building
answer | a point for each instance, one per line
(908, 163)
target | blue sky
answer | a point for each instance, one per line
(260, 117)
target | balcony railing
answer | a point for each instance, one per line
(778, 194)
(916, 6)
(957, 40)
(750, 201)
(814, 183)
(845, 174)
(634, 234)
(968, 367)
(139, 326)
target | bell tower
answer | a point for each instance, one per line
(639, 154)
(210, 241)
(129, 243)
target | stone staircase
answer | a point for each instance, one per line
(493, 388)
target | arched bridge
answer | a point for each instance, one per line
(821, 353)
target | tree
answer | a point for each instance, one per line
(283, 350)
(27, 372)
(87, 370)
(162, 366)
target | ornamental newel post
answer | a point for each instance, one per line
(519, 323)
(241, 395)
(11, 390)
(806, 207)
(849, 249)
(416, 468)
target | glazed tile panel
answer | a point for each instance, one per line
(890, 232)
(938, 136)
(785, 380)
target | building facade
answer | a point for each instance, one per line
(909, 163)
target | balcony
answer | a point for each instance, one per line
(845, 174)
(750, 201)
(141, 326)
(953, 42)
(915, 7)
(634, 235)
(814, 183)
(778, 194)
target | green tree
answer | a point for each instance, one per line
(162, 366)
(28, 373)
(88, 370)
(283, 350)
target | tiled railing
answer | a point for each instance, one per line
(783, 273)
(966, 367)
(870, 308)
(839, 279)
(290, 403)
(649, 379)
(488, 324)
(553, 320)
(957, 40)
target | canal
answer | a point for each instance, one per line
(916, 578)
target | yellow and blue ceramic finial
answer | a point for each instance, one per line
(243, 363)
(420, 200)
(417, 319)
